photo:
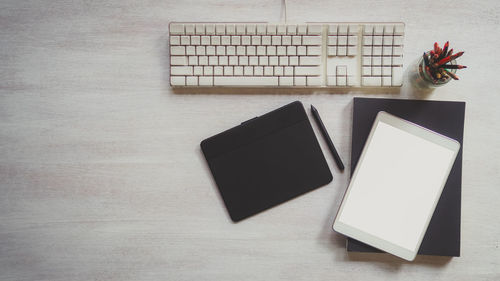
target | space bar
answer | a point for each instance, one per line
(245, 81)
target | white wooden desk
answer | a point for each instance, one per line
(101, 174)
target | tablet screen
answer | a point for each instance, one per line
(396, 186)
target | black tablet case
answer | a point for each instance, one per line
(266, 161)
(447, 118)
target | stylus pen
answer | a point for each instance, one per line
(327, 138)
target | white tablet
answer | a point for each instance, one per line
(396, 185)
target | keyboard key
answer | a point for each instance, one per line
(177, 50)
(398, 40)
(251, 50)
(378, 30)
(313, 51)
(208, 70)
(256, 40)
(342, 29)
(299, 81)
(291, 50)
(189, 29)
(245, 81)
(243, 60)
(199, 29)
(205, 81)
(213, 60)
(223, 60)
(342, 40)
(388, 29)
(398, 60)
(283, 61)
(203, 60)
(240, 29)
(220, 29)
(268, 71)
(225, 40)
(278, 71)
(191, 81)
(241, 50)
(266, 40)
(288, 71)
(273, 60)
(230, 29)
(286, 40)
(301, 50)
(316, 60)
(178, 60)
(175, 40)
(215, 40)
(253, 60)
(178, 80)
(332, 40)
(353, 29)
(233, 60)
(399, 29)
(221, 50)
(258, 71)
(397, 51)
(341, 70)
(271, 29)
(352, 40)
(198, 70)
(291, 29)
(181, 70)
(195, 40)
(230, 50)
(177, 29)
(352, 50)
(386, 81)
(281, 50)
(368, 29)
(397, 76)
(261, 29)
(314, 81)
(193, 60)
(276, 40)
(286, 81)
(271, 50)
(205, 40)
(341, 51)
(190, 50)
(238, 71)
(311, 40)
(248, 70)
(210, 50)
(314, 29)
(307, 70)
(251, 29)
(281, 29)
(296, 40)
(228, 70)
(293, 60)
(263, 61)
(210, 29)
(261, 50)
(332, 50)
(371, 81)
(235, 40)
(245, 40)
(332, 29)
(302, 29)
(387, 41)
(367, 40)
(341, 80)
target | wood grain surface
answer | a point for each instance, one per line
(102, 177)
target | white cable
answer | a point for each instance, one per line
(283, 10)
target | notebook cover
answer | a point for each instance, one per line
(447, 118)
(266, 161)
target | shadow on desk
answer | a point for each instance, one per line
(280, 91)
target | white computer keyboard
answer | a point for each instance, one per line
(286, 55)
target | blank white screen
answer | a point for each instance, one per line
(396, 186)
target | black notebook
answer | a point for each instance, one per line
(447, 118)
(266, 161)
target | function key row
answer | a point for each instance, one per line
(244, 29)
